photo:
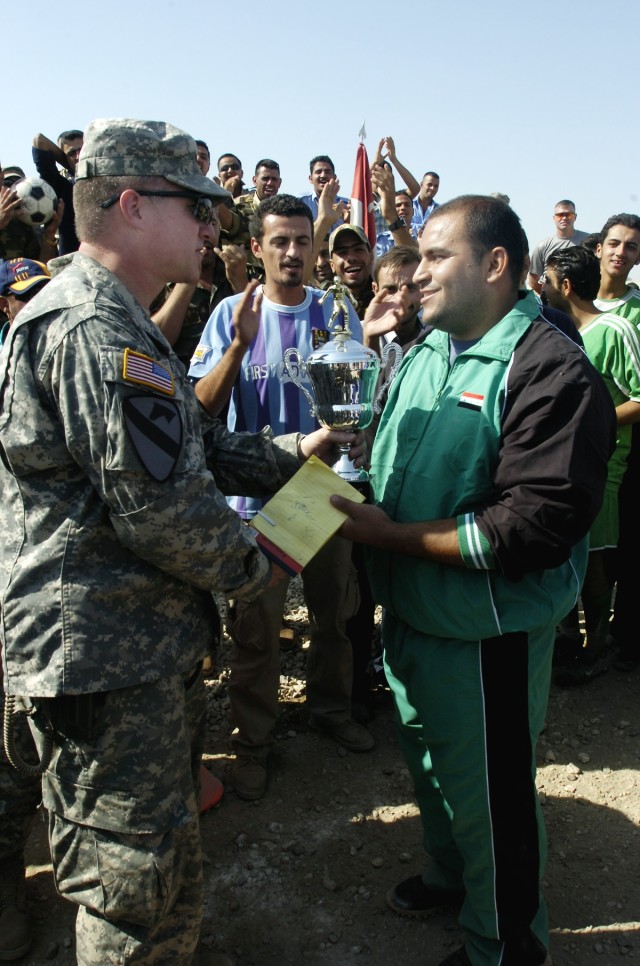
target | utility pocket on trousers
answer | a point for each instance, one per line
(118, 876)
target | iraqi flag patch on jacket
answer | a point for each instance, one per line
(471, 400)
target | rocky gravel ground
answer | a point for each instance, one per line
(300, 877)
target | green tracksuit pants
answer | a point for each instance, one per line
(469, 715)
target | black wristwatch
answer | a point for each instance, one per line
(398, 223)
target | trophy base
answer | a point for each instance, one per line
(346, 469)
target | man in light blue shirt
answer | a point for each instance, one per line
(424, 205)
(321, 171)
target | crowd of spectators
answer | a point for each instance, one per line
(266, 257)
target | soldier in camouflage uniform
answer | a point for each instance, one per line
(19, 798)
(20, 280)
(115, 535)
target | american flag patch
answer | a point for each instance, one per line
(147, 372)
(471, 400)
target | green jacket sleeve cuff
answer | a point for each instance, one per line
(474, 547)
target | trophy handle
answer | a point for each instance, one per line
(296, 366)
(391, 349)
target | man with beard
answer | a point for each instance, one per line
(240, 359)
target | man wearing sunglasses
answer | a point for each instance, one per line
(230, 174)
(114, 538)
(565, 235)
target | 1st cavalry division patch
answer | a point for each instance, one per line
(155, 428)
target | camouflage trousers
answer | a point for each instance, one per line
(19, 794)
(123, 823)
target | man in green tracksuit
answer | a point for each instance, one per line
(487, 471)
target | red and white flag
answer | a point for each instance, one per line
(362, 197)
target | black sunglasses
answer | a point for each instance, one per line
(202, 210)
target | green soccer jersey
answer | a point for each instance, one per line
(613, 345)
(628, 306)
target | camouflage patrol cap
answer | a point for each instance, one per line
(115, 146)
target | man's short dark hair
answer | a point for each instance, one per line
(490, 223)
(285, 206)
(628, 221)
(203, 144)
(434, 174)
(267, 163)
(325, 159)
(68, 136)
(580, 267)
(404, 193)
(228, 154)
(396, 258)
(565, 201)
(592, 241)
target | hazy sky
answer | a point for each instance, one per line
(538, 101)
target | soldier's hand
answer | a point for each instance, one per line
(277, 575)
(246, 314)
(325, 443)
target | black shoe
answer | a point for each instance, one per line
(528, 952)
(583, 670)
(525, 950)
(413, 898)
(349, 734)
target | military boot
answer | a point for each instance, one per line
(16, 932)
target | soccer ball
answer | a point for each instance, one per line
(38, 201)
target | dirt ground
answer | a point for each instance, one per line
(300, 877)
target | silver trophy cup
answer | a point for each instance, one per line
(343, 375)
